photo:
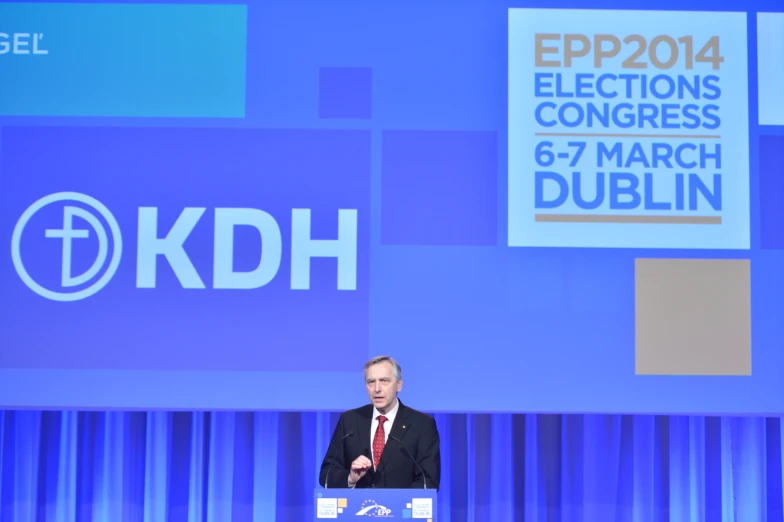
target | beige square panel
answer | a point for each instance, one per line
(693, 316)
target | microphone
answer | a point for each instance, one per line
(424, 477)
(331, 461)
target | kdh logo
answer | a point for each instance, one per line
(371, 509)
(90, 246)
(72, 287)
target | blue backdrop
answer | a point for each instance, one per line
(288, 188)
(262, 467)
(409, 126)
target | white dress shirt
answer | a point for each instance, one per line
(374, 426)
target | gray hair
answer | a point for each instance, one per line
(396, 371)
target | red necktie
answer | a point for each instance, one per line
(378, 441)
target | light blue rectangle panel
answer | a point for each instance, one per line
(770, 67)
(695, 106)
(129, 60)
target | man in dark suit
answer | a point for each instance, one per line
(375, 446)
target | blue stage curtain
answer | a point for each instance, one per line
(263, 467)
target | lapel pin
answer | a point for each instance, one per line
(404, 426)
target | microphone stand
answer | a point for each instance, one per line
(424, 477)
(331, 460)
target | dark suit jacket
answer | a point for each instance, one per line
(416, 431)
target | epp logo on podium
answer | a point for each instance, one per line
(370, 508)
(108, 251)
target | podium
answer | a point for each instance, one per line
(348, 504)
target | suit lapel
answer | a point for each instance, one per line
(363, 428)
(401, 419)
(398, 431)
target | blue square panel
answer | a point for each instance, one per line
(772, 191)
(345, 92)
(439, 188)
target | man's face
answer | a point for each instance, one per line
(382, 387)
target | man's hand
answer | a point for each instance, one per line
(359, 468)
